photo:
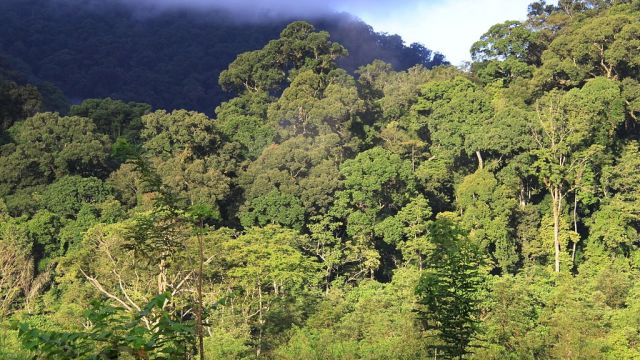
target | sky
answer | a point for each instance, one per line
(447, 26)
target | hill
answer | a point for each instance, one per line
(171, 59)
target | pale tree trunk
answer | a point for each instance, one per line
(200, 302)
(260, 322)
(575, 227)
(556, 194)
(413, 158)
(522, 197)
(480, 161)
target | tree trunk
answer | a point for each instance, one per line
(260, 322)
(522, 197)
(575, 227)
(200, 302)
(480, 161)
(557, 206)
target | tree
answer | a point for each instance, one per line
(274, 208)
(457, 115)
(511, 325)
(291, 180)
(449, 289)
(409, 231)
(66, 196)
(377, 184)
(511, 39)
(17, 266)
(572, 130)
(486, 210)
(401, 139)
(265, 270)
(42, 230)
(377, 181)
(243, 120)
(401, 90)
(17, 102)
(186, 156)
(615, 226)
(193, 181)
(599, 46)
(48, 146)
(133, 261)
(127, 184)
(299, 48)
(372, 320)
(167, 134)
(114, 333)
(317, 104)
(115, 118)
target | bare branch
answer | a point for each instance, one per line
(100, 288)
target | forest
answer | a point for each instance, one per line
(490, 211)
(170, 60)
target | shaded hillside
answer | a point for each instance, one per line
(169, 60)
(20, 99)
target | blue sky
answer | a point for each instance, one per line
(449, 26)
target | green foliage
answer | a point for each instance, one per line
(487, 211)
(48, 146)
(227, 344)
(598, 46)
(376, 181)
(615, 224)
(16, 264)
(290, 181)
(11, 347)
(449, 289)
(511, 39)
(268, 280)
(66, 196)
(371, 321)
(241, 120)
(299, 48)
(114, 333)
(166, 134)
(43, 231)
(268, 256)
(113, 117)
(274, 208)
(17, 102)
(409, 231)
(483, 213)
(458, 117)
(317, 104)
(511, 327)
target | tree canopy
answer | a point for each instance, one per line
(483, 212)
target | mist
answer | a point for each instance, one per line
(241, 10)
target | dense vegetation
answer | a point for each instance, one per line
(170, 60)
(490, 213)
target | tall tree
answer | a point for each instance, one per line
(457, 114)
(572, 130)
(48, 146)
(299, 48)
(449, 289)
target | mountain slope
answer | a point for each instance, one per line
(171, 59)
